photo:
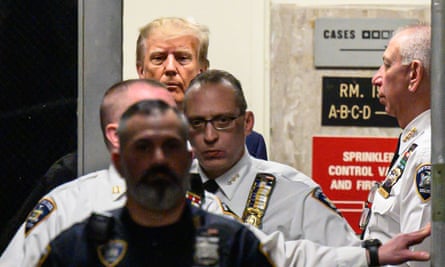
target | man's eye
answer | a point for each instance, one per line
(223, 120)
(172, 145)
(183, 59)
(142, 146)
(196, 123)
(157, 59)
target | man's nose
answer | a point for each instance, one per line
(171, 65)
(210, 133)
(159, 155)
(377, 78)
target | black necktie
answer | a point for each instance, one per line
(396, 153)
(211, 186)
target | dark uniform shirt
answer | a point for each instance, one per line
(197, 239)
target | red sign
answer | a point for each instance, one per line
(347, 167)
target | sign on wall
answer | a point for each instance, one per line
(341, 42)
(352, 101)
(347, 167)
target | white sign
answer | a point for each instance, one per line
(350, 43)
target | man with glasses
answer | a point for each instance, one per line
(402, 202)
(268, 195)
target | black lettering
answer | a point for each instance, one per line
(326, 34)
(339, 34)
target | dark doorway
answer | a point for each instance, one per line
(38, 85)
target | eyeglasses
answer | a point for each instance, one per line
(366, 213)
(220, 123)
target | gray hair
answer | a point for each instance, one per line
(416, 45)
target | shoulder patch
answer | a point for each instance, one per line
(111, 253)
(423, 181)
(320, 196)
(40, 212)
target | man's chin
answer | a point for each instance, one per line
(159, 198)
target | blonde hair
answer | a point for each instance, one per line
(174, 27)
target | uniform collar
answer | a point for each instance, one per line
(117, 183)
(230, 180)
(415, 129)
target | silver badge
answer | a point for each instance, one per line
(206, 250)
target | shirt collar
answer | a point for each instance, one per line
(231, 179)
(415, 129)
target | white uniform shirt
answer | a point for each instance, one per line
(105, 190)
(406, 209)
(292, 209)
(305, 253)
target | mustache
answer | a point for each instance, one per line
(159, 171)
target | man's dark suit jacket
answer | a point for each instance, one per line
(256, 145)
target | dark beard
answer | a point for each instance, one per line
(159, 189)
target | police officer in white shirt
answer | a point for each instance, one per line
(266, 194)
(402, 202)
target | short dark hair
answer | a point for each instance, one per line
(108, 105)
(215, 76)
(150, 108)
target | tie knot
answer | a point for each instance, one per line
(211, 186)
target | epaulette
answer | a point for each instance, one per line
(258, 199)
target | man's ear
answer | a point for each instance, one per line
(111, 134)
(140, 70)
(416, 75)
(204, 66)
(249, 121)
